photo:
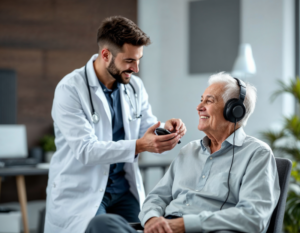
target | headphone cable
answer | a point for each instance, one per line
(230, 165)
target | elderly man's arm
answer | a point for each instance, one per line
(159, 198)
(258, 197)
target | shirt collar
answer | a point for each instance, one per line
(115, 87)
(239, 139)
(204, 143)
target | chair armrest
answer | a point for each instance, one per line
(225, 231)
(136, 225)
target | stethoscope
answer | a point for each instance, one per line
(95, 116)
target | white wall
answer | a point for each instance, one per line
(267, 25)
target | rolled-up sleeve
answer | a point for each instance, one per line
(258, 197)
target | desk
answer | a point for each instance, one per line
(19, 173)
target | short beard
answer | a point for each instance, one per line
(116, 73)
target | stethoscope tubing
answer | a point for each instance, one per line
(95, 117)
(88, 87)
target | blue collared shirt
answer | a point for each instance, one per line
(117, 182)
(195, 186)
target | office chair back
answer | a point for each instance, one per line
(284, 167)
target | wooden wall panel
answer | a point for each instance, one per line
(45, 40)
(65, 24)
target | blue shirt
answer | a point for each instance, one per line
(116, 180)
(195, 187)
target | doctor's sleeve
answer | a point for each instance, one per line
(258, 197)
(76, 130)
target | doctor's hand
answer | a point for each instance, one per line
(176, 125)
(157, 144)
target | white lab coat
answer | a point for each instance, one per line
(79, 168)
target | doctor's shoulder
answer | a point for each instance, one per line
(73, 82)
(74, 78)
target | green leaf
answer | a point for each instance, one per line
(292, 213)
(47, 143)
(292, 125)
(272, 136)
(293, 87)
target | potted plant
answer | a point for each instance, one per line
(48, 145)
(286, 143)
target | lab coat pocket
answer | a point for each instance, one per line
(55, 190)
(135, 127)
(60, 206)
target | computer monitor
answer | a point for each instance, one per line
(13, 141)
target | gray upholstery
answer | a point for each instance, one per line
(284, 167)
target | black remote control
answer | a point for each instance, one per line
(162, 131)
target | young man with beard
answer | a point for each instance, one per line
(102, 121)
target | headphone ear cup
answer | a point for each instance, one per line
(228, 110)
(239, 110)
(234, 110)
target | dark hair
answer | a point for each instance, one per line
(118, 30)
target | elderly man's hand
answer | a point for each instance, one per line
(176, 125)
(162, 225)
(157, 224)
(177, 225)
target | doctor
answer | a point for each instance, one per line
(102, 121)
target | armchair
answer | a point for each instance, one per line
(284, 167)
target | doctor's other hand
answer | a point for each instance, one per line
(176, 125)
(157, 144)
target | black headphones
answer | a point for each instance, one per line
(234, 109)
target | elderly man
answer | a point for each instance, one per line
(226, 181)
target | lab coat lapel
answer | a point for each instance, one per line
(100, 94)
(125, 112)
(97, 90)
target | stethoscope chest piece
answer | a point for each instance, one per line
(95, 118)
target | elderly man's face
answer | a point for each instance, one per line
(211, 108)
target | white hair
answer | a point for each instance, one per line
(231, 90)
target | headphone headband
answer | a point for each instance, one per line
(242, 86)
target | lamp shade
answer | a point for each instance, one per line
(244, 65)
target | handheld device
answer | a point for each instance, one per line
(162, 131)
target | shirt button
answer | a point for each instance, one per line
(96, 206)
(203, 177)
(105, 173)
(210, 158)
(100, 190)
(187, 204)
(197, 190)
